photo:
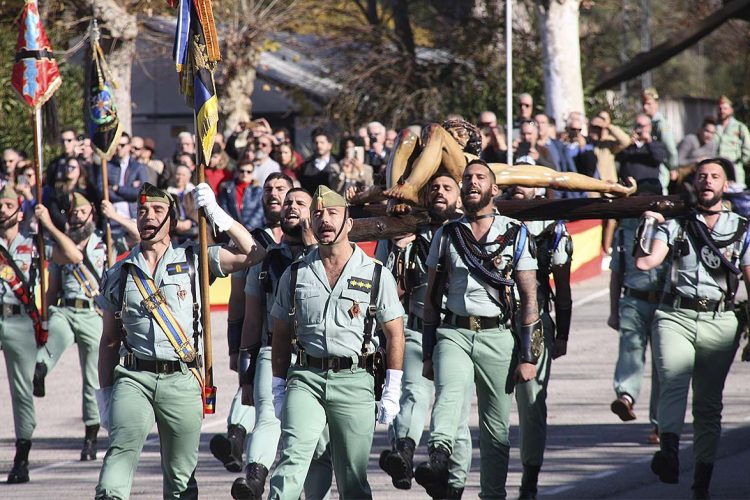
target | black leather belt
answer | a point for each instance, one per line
(649, 296)
(155, 365)
(334, 363)
(474, 323)
(415, 323)
(77, 303)
(10, 309)
(696, 304)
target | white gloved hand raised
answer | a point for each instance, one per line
(278, 388)
(205, 198)
(103, 398)
(389, 401)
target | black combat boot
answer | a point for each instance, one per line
(399, 464)
(701, 480)
(20, 471)
(229, 449)
(529, 480)
(89, 443)
(40, 372)
(453, 493)
(666, 461)
(251, 486)
(433, 475)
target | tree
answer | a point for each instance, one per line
(559, 30)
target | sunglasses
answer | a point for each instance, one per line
(123, 144)
(69, 140)
(136, 148)
(524, 105)
(246, 171)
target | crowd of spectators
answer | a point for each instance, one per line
(354, 160)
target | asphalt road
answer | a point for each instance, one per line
(590, 453)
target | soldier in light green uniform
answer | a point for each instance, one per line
(255, 356)
(152, 292)
(732, 141)
(328, 303)
(75, 318)
(474, 343)
(21, 328)
(695, 328)
(407, 261)
(553, 250)
(634, 297)
(662, 132)
(241, 418)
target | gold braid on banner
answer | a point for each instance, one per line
(206, 17)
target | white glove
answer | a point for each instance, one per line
(389, 401)
(103, 397)
(278, 388)
(206, 199)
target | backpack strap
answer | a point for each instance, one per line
(190, 257)
(123, 281)
(523, 234)
(293, 306)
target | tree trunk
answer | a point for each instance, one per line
(563, 86)
(235, 94)
(120, 60)
(402, 26)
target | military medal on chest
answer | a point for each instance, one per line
(354, 311)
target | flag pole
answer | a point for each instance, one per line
(38, 158)
(107, 227)
(209, 391)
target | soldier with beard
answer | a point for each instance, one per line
(228, 449)
(255, 355)
(406, 258)
(553, 251)
(75, 318)
(21, 328)
(695, 333)
(151, 301)
(475, 342)
(326, 305)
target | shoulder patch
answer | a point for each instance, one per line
(177, 268)
(360, 284)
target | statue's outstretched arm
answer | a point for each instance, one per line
(538, 176)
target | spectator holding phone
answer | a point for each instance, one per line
(641, 160)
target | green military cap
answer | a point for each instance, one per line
(149, 192)
(325, 198)
(8, 192)
(80, 201)
(650, 93)
(725, 100)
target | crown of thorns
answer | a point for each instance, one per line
(474, 144)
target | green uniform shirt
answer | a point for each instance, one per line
(623, 262)
(733, 143)
(96, 250)
(254, 287)
(328, 323)
(692, 278)
(466, 295)
(145, 337)
(22, 250)
(551, 252)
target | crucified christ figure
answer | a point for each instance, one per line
(449, 147)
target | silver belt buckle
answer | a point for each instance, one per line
(475, 323)
(703, 303)
(334, 364)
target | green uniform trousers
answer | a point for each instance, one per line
(19, 347)
(84, 327)
(416, 394)
(701, 346)
(264, 440)
(138, 400)
(636, 319)
(240, 414)
(531, 398)
(486, 358)
(345, 401)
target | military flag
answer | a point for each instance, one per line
(196, 51)
(35, 74)
(101, 113)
